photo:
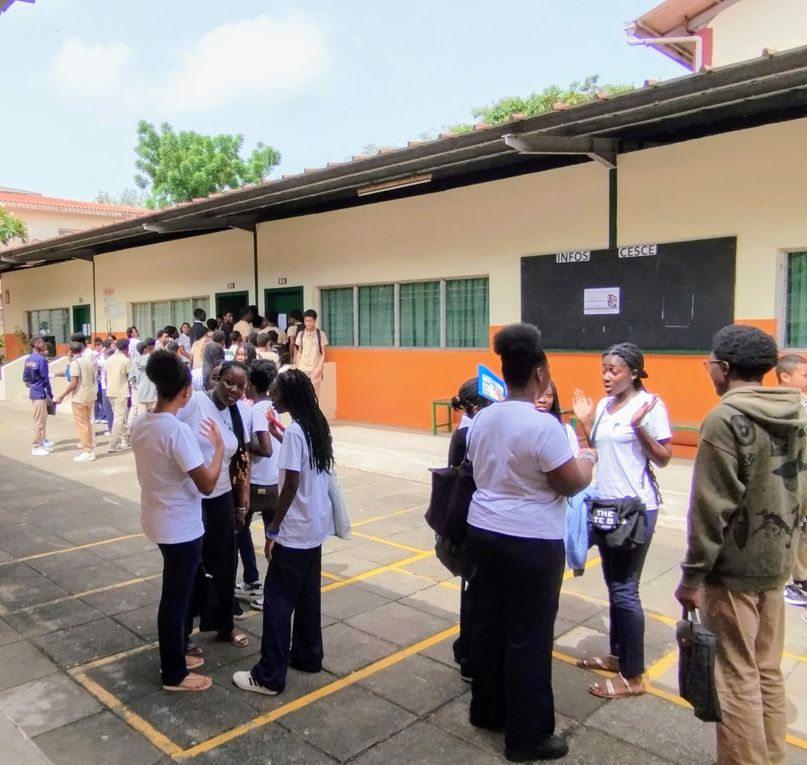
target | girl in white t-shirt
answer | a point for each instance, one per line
(302, 521)
(523, 469)
(172, 475)
(630, 430)
(549, 402)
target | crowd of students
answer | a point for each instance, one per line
(210, 453)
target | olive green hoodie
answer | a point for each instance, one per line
(748, 490)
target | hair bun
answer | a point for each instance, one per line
(643, 375)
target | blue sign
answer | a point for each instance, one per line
(489, 385)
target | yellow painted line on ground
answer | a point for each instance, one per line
(319, 693)
(796, 741)
(383, 541)
(663, 618)
(569, 574)
(364, 522)
(662, 664)
(332, 577)
(105, 588)
(86, 546)
(375, 571)
(111, 659)
(155, 737)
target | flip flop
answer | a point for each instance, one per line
(192, 682)
(193, 662)
(607, 664)
(193, 650)
(238, 639)
(616, 688)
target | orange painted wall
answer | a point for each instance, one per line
(396, 386)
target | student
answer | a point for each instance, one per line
(107, 414)
(172, 473)
(311, 343)
(295, 323)
(244, 324)
(271, 325)
(523, 469)
(550, 403)
(83, 387)
(630, 430)
(146, 390)
(235, 340)
(791, 372)
(213, 357)
(184, 339)
(302, 521)
(469, 402)
(223, 405)
(263, 475)
(198, 347)
(116, 376)
(246, 354)
(264, 351)
(199, 328)
(748, 493)
(36, 376)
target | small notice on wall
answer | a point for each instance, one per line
(601, 301)
(112, 307)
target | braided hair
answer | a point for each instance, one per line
(633, 357)
(300, 400)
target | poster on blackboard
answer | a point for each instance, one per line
(601, 301)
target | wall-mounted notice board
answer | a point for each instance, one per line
(669, 296)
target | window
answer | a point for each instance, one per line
(49, 321)
(447, 313)
(152, 317)
(419, 307)
(377, 315)
(337, 315)
(796, 308)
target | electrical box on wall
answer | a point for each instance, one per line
(230, 285)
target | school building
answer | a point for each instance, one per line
(656, 216)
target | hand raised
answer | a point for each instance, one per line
(640, 413)
(211, 432)
(582, 406)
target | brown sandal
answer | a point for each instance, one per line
(193, 650)
(606, 664)
(617, 688)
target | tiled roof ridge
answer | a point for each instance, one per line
(35, 201)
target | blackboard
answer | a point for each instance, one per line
(669, 296)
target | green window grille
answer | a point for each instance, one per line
(337, 315)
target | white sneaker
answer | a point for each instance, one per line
(39, 451)
(257, 604)
(246, 591)
(85, 457)
(246, 682)
(49, 445)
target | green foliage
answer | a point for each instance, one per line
(11, 227)
(538, 103)
(177, 167)
(22, 336)
(126, 198)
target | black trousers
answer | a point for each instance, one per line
(180, 564)
(292, 586)
(213, 598)
(517, 584)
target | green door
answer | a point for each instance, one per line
(82, 319)
(231, 301)
(283, 300)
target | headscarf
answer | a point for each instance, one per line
(212, 356)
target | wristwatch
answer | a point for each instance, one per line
(589, 455)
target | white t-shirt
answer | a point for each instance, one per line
(184, 341)
(574, 442)
(621, 461)
(165, 450)
(199, 407)
(263, 470)
(309, 520)
(198, 379)
(512, 447)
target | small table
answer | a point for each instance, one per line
(448, 424)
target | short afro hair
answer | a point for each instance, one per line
(519, 346)
(749, 352)
(788, 363)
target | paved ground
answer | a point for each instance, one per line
(79, 668)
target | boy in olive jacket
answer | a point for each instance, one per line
(748, 491)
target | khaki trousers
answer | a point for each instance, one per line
(40, 420)
(82, 414)
(120, 425)
(750, 628)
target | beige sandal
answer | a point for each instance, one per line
(617, 688)
(606, 664)
(238, 639)
(193, 662)
(192, 682)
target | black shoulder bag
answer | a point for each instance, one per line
(697, 647)
(619, 524)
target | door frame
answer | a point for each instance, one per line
(82, 307)
(268, 291)
(243, 293)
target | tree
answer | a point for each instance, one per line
(177, 167)
(126, 198)
(11, 227)
(537, 103)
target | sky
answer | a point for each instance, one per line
(317, 80)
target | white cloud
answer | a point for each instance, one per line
(261, 57)
(90, 72)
